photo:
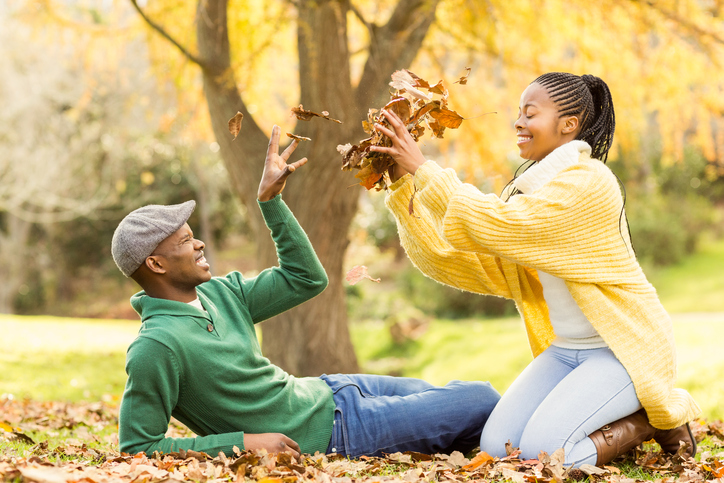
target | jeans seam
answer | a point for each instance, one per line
(568, 438)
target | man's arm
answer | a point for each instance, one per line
(300, 276)
(151, 394)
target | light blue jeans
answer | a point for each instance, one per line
(383, 414)
(557, 401)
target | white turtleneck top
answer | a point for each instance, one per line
(573, 330)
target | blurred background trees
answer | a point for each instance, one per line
(141, 114)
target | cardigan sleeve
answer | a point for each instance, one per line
(421, 237)
(569, 228)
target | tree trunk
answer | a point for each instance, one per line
(312, 338)
(13, 244)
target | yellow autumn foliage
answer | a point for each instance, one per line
(663, 61)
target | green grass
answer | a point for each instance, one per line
(492, 350)
(54, 358)
(497, 351)
(48, 358)
(696, 284)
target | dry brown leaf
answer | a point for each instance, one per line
(306, 115)
(401, 107)
(481, 459)
(298, 138)
(235, 123)
(446, 117)
(464, 79)
(368, 176)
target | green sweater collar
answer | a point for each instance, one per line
(148, 307)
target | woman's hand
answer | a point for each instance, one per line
(404, 149)
(276, 169)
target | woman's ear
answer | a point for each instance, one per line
(155, 264)
(570, 124)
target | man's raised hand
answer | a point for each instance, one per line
(272, 442)
(276, 169)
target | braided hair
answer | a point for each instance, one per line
(589, 98)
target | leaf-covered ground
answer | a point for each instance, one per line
(50, 442)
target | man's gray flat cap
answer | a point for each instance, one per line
(140, 232)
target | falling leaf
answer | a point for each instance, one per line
(235, 123)
(298, 138)
(446, 117)
(306, 115)
(464, 79)
(358, 273)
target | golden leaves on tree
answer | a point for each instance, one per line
(419, 105)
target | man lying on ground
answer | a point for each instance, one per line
(197, 356)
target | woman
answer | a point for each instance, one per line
(557, 245)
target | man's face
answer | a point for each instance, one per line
(182, 256)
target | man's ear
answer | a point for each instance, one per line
(156, 264)
(570, 124)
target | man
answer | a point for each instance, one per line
(197, 357)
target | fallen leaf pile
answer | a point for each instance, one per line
(88, 461)
(419, 105)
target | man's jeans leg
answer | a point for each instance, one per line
(383, 414)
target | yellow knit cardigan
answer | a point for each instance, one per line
(568, 228)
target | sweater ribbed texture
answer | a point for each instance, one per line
(218, 383)
(568, 228)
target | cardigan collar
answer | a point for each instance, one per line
(542, 172)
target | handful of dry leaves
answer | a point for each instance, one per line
(419, 105)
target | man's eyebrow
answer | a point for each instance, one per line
(184, 238)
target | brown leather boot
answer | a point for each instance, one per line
(669, 439)
(621, 436)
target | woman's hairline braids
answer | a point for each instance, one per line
(588, 97)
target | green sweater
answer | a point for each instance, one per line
(218, 383)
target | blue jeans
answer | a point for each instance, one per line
(383, 414)
(558, 400)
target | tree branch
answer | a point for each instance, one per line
(697, 30)
(393, 46)
(359, 16)
(158, 28)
